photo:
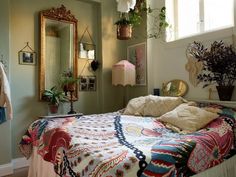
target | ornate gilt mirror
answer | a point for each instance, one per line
(58, 47)
(175, 88)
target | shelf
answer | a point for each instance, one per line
(224, 103)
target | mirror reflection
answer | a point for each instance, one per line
(175, 88)
(87, 51)
(58, 47)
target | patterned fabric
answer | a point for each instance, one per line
(227, 113)
(114, 145)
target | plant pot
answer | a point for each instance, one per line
(69, 87)
(124, 32)
(225, 92)
(53, 108)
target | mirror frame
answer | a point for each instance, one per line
(62, 15)
(165, 93)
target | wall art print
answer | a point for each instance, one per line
(87, 83)
(137, 55)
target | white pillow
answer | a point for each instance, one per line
(135, 106)
(157, 105)
(188, 118)
(152, 105)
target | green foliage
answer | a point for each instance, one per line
(159, 23)
(68, 78)
(219, 63)
(54, 96)
(135, 17)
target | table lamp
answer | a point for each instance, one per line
(123, 73)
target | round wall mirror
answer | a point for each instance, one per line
(175, 88)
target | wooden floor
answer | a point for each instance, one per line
(22, 172)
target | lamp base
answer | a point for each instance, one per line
(71, 103)
(71, 112)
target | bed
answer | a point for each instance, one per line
(117, 145)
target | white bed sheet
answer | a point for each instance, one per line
(39, 167)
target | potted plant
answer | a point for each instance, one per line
(219, 66)
(129, 19)
(134, 17)
(68, 81)
(54, 97)
(123, 28)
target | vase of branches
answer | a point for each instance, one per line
(219, 66)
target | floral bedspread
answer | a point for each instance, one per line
(114, 145)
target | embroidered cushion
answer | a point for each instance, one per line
(188, 118)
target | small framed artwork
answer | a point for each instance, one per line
(87, 83)
(137, 55)
(91, 83)
(83, 83)
(27, 58)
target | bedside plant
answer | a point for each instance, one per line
(54, 97)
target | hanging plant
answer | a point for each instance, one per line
(130, 19)
(134, 18)
(158, 24)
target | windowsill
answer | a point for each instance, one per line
(210, 35)
(224, 103)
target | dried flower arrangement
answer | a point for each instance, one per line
(219, 66)
(219, 63)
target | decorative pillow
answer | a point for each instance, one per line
(188, 118)
(135, 106)
(158, 105)
(152, 105)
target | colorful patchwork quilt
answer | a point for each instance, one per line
(115, 145)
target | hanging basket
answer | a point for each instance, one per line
(225, 92)
(124, 32)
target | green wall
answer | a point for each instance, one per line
(19, 20)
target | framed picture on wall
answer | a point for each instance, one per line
(27, 58)
(137, 55)
(83, 83)
(87, 83)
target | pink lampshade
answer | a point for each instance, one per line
(123, 73)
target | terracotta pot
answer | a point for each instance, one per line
(53, 108)
(124, 32)
(69, 88)
(225, 92)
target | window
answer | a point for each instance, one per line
(189, 17)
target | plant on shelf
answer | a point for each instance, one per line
(54, 97)
(219, 66)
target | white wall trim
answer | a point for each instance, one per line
(7, 169)
(20, 163)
